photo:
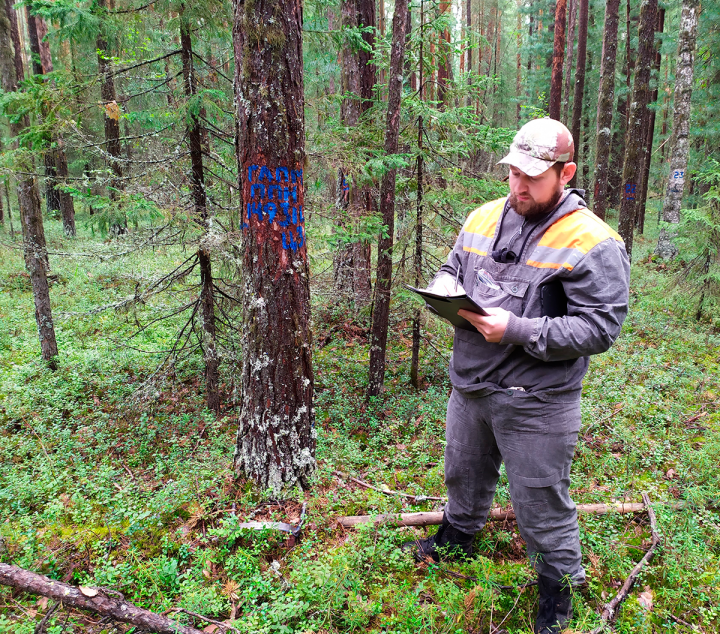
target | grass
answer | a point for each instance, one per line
(105, 484)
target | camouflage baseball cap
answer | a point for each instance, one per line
(538, 145)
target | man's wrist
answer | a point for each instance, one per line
(519, 331)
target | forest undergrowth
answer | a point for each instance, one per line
(118, 481)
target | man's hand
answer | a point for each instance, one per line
(447, 285)
(491, 327)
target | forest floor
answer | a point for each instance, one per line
(113, 481)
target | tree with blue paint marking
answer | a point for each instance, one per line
(276, 436)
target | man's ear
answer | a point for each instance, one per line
(568, 171)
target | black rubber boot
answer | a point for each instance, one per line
(555, 606)
(447, 543)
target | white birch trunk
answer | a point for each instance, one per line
(681, 127)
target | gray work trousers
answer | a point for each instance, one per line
(536, 440)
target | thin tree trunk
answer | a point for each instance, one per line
(351, 200)
(618, 143)
(580, 83)
(112, 111)
(276, 439)
(586, 134)
(569, 56)
(34, 246)
(681, 126)
(469, 22)
(17, 48)
(56, 167)
(606, 99)
(362, 287)
(557, 60)
(518, 64)
(444, 62)
(52, 196)
(635, 137)
(9, 210)
(387, 207)
(415, 361)
(650, 128)
(207, 301)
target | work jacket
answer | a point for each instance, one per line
(567, 294)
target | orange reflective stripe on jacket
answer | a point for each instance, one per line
(567, 241)
(480, 227)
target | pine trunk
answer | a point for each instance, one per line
(635, 136)
(415, 360)
(276, 437)
(606, 100)
(350, 200)
(197, 187)
(586, 134)
(617, 151)
(444, 62)
(518, 65)
(110, 107)
(67, 204)
(569, 55)
(681, 126)
(650, 130)
(469, 23)
(580, 84)
(56, 167)
(34, 246)
(52, 196)
(366, 17)
(557, 59)
(387, 207)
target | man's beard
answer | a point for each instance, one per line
(531, 209)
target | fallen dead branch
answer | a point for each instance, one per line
(223, 626)
(435, 518)
(418, 498)
(95, 600)
(610, 610)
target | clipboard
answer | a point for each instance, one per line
(448, 307)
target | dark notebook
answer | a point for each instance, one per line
(448, 307)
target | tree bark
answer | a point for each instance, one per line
(56, 167)
(469, 23)
(34, 246)
(352, 261)
(415, 360)
(362, 288)
(444, 62)
(635, 136)
(681, 126)
(617, 151)
(207, 300)
(572, 12)
(425, 518)
(111, 109)
(52, 196)
(650, 129)
(518, 64)
(387, 207)
(93, 600)
(350, 201)
(580, 84)
(606, 100)
(557, 59)
(276, 438)
(586, 134)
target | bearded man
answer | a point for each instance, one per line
(554, 280)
